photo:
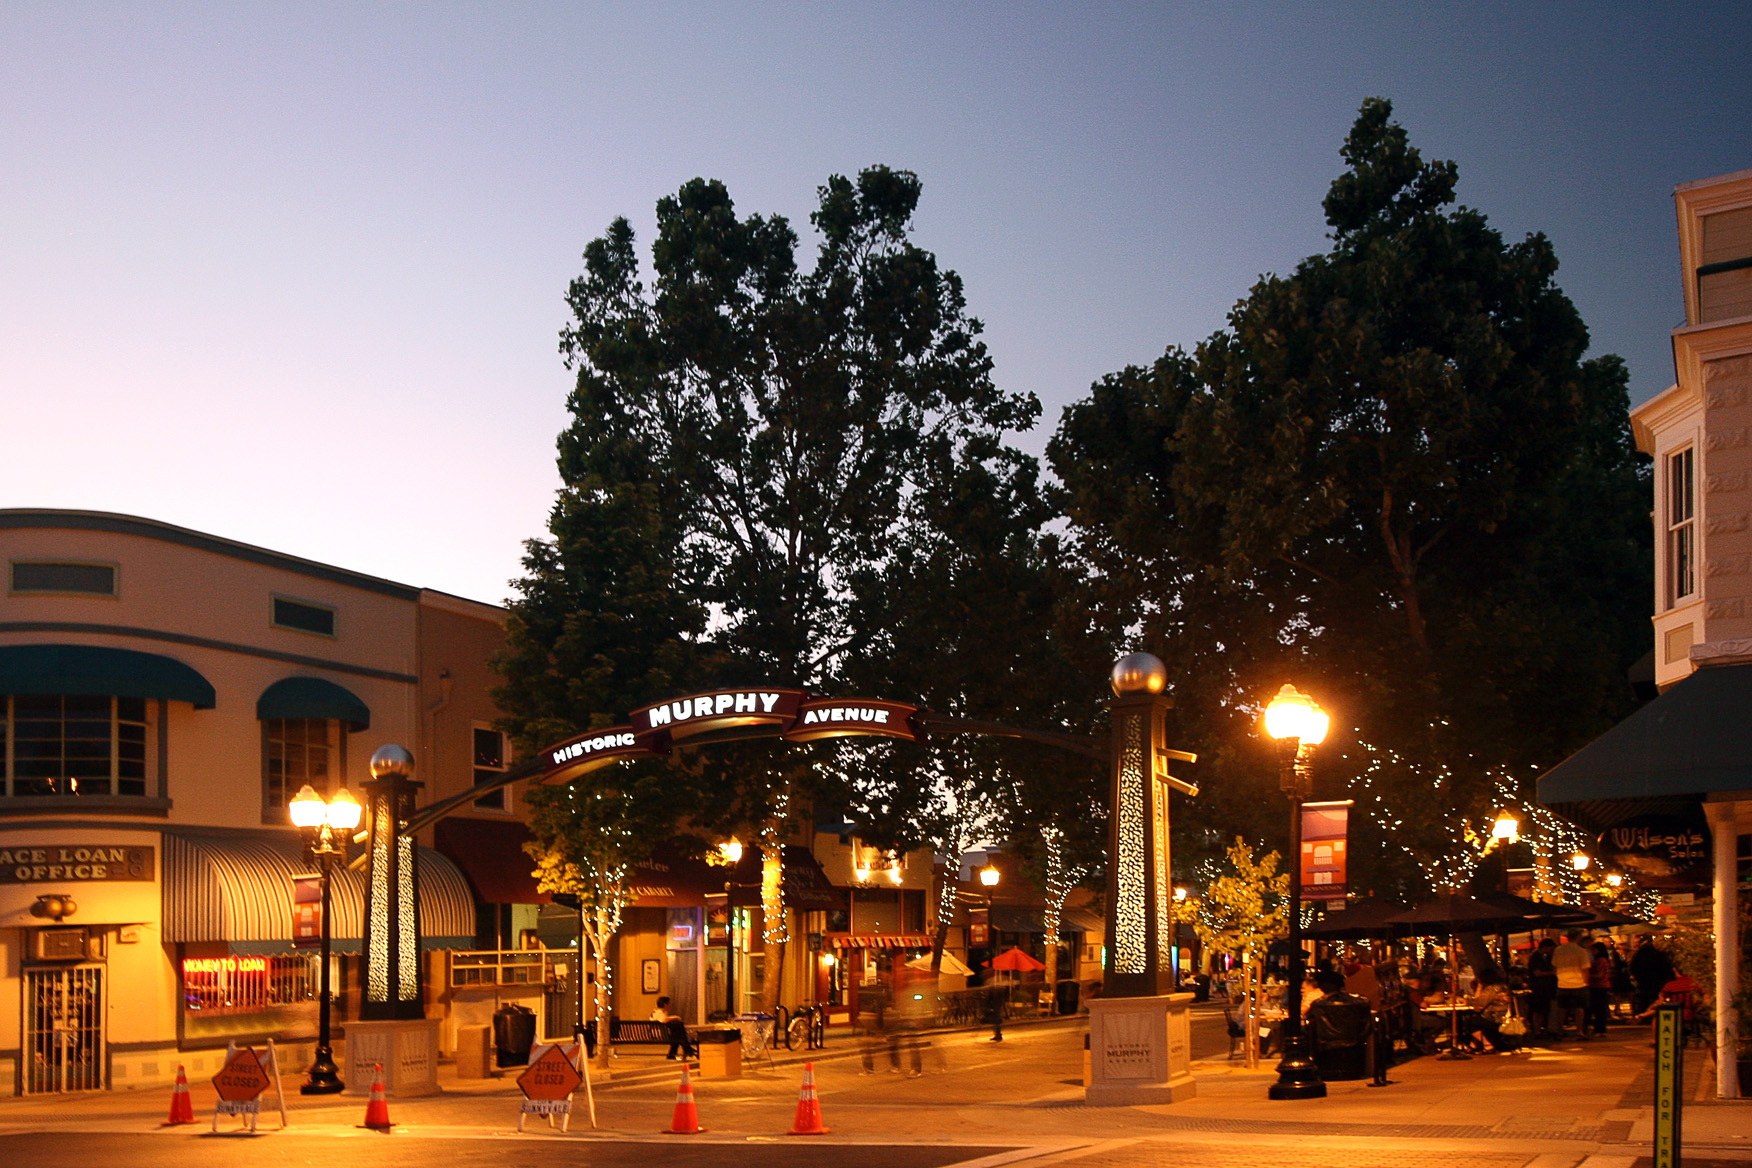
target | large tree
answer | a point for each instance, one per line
(750, 443)
(1395, 479)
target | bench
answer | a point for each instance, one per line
(636, 1032)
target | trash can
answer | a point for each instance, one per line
(513, 1034)
(473, 1044)
(720, 1052)
(1068, 993)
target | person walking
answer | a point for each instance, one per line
(1599, 987)
(678, 1040)
(1571, 963)
(1650, 969)
(1542, 986)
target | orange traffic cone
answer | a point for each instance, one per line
(377, 1107)
(687, 1116)
(808, 1122)
(182, 1108)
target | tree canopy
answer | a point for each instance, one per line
(1394, 478)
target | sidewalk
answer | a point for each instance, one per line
(1563, 1107)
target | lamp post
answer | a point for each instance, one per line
(1299, 725)
(326, 827)
(988, 879)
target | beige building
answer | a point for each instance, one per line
(1669, 789)
(163, 693)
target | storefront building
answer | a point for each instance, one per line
(163, 694)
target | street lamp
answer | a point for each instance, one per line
(1298, 724)
(989, 876)
(1580, 861)
(1506, 827)
(326, 827)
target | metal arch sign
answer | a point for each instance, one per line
(755, 711)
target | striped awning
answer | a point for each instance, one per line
(237, 889)
(880, 941)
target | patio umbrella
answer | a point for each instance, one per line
(1013, 960)
(1606, 919)
(1446, 916)
(1368, 917)
(952, 965)
(1537, 912)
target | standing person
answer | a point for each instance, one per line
(678, 1040)
(1622, 986)
(1542, 985)
(1599, 987)
(997, 997)
(1572, 962)
(1650, 969)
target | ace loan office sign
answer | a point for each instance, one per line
(59, 863)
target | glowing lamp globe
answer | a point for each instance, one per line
(1506, 828)
(307, 808)
(731, 850)
(344, 811)
(1580, 861)
(1614, 879)
(988, 876)
(1293, 714)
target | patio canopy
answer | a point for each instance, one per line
(1693, 740)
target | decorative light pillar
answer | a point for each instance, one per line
(1140, 1038)
(1140, 921)
(392, 916)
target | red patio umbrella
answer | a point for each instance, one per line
(1013, 960)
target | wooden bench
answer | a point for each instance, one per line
(636, 1032)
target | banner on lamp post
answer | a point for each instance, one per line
(1325, 844)
(306, 912)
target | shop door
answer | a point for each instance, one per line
(63, 1030)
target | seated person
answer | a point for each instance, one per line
(678, 1040)
(1490, 1005)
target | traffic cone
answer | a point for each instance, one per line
(687, 1116)
(377, 1107)
(182, 1108)
(808, 1122)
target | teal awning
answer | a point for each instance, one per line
(312, 697)
(95, 670)
(1692, 741)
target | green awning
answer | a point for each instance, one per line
(95, 670)
(312, 697)
(1693, 740)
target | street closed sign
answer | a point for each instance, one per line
(242, 1077)
(551, 1076)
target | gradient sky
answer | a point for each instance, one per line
(293, 274)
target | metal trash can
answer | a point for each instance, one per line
(513, 1034)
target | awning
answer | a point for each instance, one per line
(1081, 920)
(95, 670)
(1016, 918)
(490, 852)
(879, 941)
(1692, 740)
(237, 889)
(312, 697)
(675, 878)
(806, 886)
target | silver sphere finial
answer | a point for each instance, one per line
(1139, 673)
(392, 760)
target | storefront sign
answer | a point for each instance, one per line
(306, 912)
(1325, 832)
(595, 748)
(1663, 852)
(60, 863)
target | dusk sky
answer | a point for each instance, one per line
(293, 274)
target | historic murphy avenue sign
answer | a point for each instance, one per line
(754, 711)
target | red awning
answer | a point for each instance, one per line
(806, 886)
(490, 852)
(880, 941)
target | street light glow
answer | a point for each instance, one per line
(1293, 714)
(1580, 861)
(1506, 828)
(989, 876)
(307, 808)
(343, 811)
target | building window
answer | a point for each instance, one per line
(489, 764)
(304, 617)
(1681, 527)
(1724, 273)
(72, 744)
(64, 578)
(296, 751)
